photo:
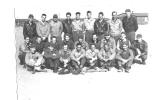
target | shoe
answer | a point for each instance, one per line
(127, 71)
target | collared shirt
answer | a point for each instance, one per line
(67, 26)
(92, 54)
(29, 30)
(89, 24)
(70, 44)
(56, 28)
(75, 54)
(77, 25)
(115, 27)
(43, 29)
(101, 27)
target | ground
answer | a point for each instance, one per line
(97, 85)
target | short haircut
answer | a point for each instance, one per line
(89, 12)
(55, 16)
(101, 13)
(30, 16)
(68, 13)
(44, 15)
(92, 44)
(78, 44)
(54, 37)
(139, 36)
(78, 13)
(114, 12)
(127, 10)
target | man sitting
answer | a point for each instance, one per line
(92, 56)
(140, 48)
(65, 60)
(78, 58)
(68, 41)
(34, 59)
(106, 57)
(52, 58)
(125, 58)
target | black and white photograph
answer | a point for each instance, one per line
(83, 50)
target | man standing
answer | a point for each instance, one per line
(77, 26)
(125, 58)
(29, 29)
(130, 25)
(89, 27)
(67, 25)
(101, 26)
(140, 48)
(78, 58)
(56, 28)
(115, 26)
(43, 28)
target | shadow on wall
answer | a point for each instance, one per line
(142, 19)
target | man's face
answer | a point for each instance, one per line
(30, 19)
(38, 39)
(114, 15)
(78, 47)
(89, 15)
(43, 18)
(68, 16)
(80, 39)
(94, 37)
(92, 47)
(67, 38)
(139, 39)
(128, 14)
(55, 19)
(32, 50)
(123, 36)
(77, 16)
(100, 16)
(54, 40)
(65, 47)
(51, 48)
(107, 37)
(27, 40)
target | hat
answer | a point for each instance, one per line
(138, 36)
(55, 16)
(127, 10)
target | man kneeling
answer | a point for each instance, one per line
(34, 59)
(78, 59)
(64, 60)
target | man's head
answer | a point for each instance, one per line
(139, 37)
(27, 40)
(55, 17)
(107, 36)
(93, 47)
(78, 47)
(125, 47)
(128, 12)
(54, 39)
(114, 15)
(38, 39)
(30, 17)
(51, 48)
(89, 13)
(65, 47)
(43, 17)
(67, 38)
(94, 37)
(80, 38)
(123, 35)
(68, 15)
(101, 15)
(78, 15)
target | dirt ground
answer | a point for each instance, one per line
(96, 85)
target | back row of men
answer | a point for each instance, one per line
(89, 43)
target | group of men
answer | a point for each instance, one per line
(96, 44)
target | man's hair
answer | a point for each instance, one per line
(139, 36)
(55, 16)
(78, 13)
(68, 13)
(101, 13)
(89, 12)
(78, 44)
(114, 12)
(44, 15)
(92, 44)
(30, 16)
(53, 37)
(127, 10)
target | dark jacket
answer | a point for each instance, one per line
(101, 27)
(51, 54)
(29, 30)
(67, 26)
(130, 24)
(70, 44)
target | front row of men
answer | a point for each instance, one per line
(68, 57)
